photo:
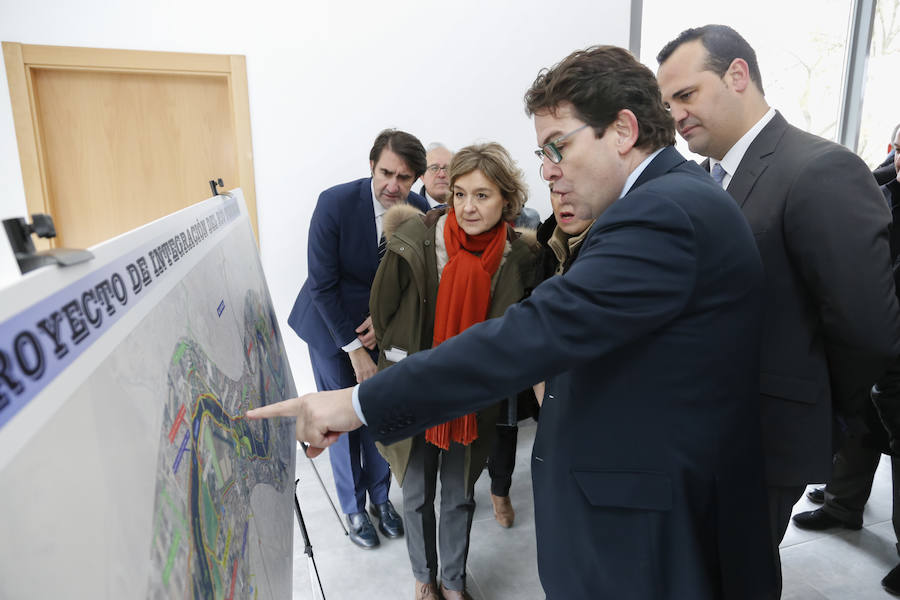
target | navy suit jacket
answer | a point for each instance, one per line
(342, 258)
(647, 465)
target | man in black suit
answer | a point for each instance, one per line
(821, 224)
(844, 498)
(649, 432)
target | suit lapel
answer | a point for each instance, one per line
(664, 162)
(756, 159)
(366, 212)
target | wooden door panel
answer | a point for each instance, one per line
(111, 139)
(123, 149)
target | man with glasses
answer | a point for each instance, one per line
(436, 178)
(331, 314)
(832, 322)
(649, 430)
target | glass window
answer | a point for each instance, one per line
(800, 53)
(881, 109)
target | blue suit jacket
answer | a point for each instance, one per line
(647, 465)
(342, 258)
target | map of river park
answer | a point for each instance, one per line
(211, 460)
(127, 468)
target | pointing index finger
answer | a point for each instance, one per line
(286, 408)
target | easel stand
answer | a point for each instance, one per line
(314, 580)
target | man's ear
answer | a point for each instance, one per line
(372, 167)
(738, 75)
(626, 130)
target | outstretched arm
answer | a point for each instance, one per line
(321, 417)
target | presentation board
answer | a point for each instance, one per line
(127, 469)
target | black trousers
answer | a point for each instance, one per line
(502, 460)
(855, 464)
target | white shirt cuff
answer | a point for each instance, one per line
(356, 405)
(352, 345)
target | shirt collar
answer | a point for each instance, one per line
(379, 209)
(735, 155)
(637, 172)
(431, 201)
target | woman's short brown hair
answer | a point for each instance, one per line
(496, 164)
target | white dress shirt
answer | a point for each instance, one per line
(732, 159)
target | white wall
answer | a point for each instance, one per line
(325, 77)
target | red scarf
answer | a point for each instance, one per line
(463, 299)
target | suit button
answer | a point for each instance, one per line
(382, 431)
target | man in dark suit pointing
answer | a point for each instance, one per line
(649, 431)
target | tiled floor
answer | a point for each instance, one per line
(834, 565)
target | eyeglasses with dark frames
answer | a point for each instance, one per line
(551, 150)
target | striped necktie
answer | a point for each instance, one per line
(718, 173)
(382, 246)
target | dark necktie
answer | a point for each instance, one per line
(382, 246)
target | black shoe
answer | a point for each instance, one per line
(361, 531)
(816, 495)
(819, 520)
(389, 522)
(891, 581)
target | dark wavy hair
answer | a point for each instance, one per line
(405, 145)
(599, 82)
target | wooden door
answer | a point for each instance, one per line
(112, 139)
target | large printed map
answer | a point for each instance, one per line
(140, 477)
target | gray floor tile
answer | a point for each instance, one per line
(831, 565)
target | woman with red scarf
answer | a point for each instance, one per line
(442, 273)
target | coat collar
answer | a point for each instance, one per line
(757, 159)
(664, 162)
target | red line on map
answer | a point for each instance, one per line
(233, 577)
(177, 424)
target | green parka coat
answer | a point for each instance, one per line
(402, 305)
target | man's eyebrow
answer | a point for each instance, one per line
(551, 136)
(677, 93)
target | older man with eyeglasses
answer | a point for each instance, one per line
(436, 179)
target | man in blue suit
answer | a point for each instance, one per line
(331, 314)
(649, 437)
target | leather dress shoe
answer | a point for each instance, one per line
(426, 591)
(389, 522)
(891, 581)
(454, 595)
(816, 495)
(819, 520)
(361, 531)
